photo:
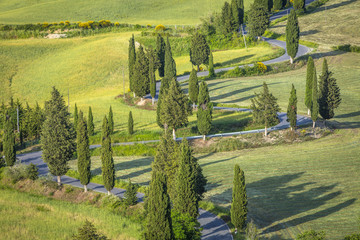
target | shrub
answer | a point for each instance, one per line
(2, 162)
(355, 236)
(348, 48)
(84, 25)
(311, 235)
(252, 233)
(160, 27)
(45, 25)
(61, 23)
(130, 194)
(261, 67)
(16, 173)
(32, 172)
(117, 24)
(88, 231)
(67, 23)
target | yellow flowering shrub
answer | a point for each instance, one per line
(261, 67)
(67, 23)
(160, 27)
(117, 24)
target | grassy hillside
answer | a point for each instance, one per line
(144, 12)
(335, 23)
(28, 216)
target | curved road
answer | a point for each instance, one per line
(214, 228)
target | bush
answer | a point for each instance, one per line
(348, 48)
(355, 236)
(16, 173)
(88, 231)
(311, 235)
(2, 162)
(261, 67)
(32, 172)
(251, 231)
(130, 194)
(160, 27)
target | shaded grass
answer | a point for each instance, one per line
(28, 216)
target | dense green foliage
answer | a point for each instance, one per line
(267, 4)
(193, 87)
(160, 51)
(315, 104)
(329, 93)
(2, 162)
(111, 120)
(292, 108)
(32, 171)
(90, 123)
(309, 78)
(199, 50)
(292, 35)
(130, 194)
(239, 199)
(184, 226)
(131, 61)
(9, 143)
(107, 161)
(211, 66)
(265, 108)
(83, 151)
(299, 4)
(153, 60)
(141, 73)
(258, 20)
(311, 235)
(130, 124)
(88, 231)
(158, 220)
(205, 108)
(76, 117)
(57, 136)
(278, 4)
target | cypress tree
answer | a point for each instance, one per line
(240, 4)
(186, 200)
(235, 15)
(107, 161)
(83, 152)
(9, 143)
(292, 108)
(299, 5)
(38, 119)
(314, 105)
(227, 20)
(90, 123)
(175, 108)
(152, 68)
(265, 108)
(264, 3)
(258, 20)
(132, 60)
(204, 114)
(329, 97)
(166, 160)
(76, 117)
(160, 51)
(130, 124)
(292, 35)
(111, 121)
(2, 162)
(199, 50)
(211, 66)
(57, 136)
(239, 199)
(158, 224)
(141, 74)
(278, 4)
(130, 194)
(193, 87)
(309, 78)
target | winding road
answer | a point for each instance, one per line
(214, 228)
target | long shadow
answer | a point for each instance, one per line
(240, 99)
(347, 115)
(221, 96)
(346, 125)
(336, 5)
(236, 60)
(321, 55)
(141, 162)
(310, 32)
(135, 174)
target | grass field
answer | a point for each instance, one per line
(334, 23)
(153, 12)
(27, 216)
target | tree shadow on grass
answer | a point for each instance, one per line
(310, 32)
(336, 5)
(234, 60)
(126, 165)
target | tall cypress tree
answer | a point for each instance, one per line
(240, 4)
(107, 161)
(160, 51)
(258, 20)
(292, 35)
(158, 224)
(57, 136)
(111, 121)
(227, 20)
(152, 68)
(83, 152)
(38, 118)
(199, 50)
(278, 4)
(309, 78)
(239, 199)
(299, 5)
(186, 200)
(329, 97)
(314, 105)
(265, 108)
(76, 117)
(141, 74)
(211, 66)
(90, 123)
(130, 194)
(292, 108)
(132, 60)
(204, 114)
(9, 143)
(175, 108)
(193, 87)
(130, 124)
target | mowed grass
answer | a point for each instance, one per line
(144, 12)
(27, 216)
(335, 23)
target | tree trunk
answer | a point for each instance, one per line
(153, 101)
(324, 122)
(291, 60)
(308, 111)
(141, 99)
(258, 38)
(165, 127)
(266, 131)
(134, 94)
(291, 128)
(314, 124)
(59, 180)
(85, 188)
(109, 193)
(198, 67)
(193, 105)
(204, 137)
(174, 134)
